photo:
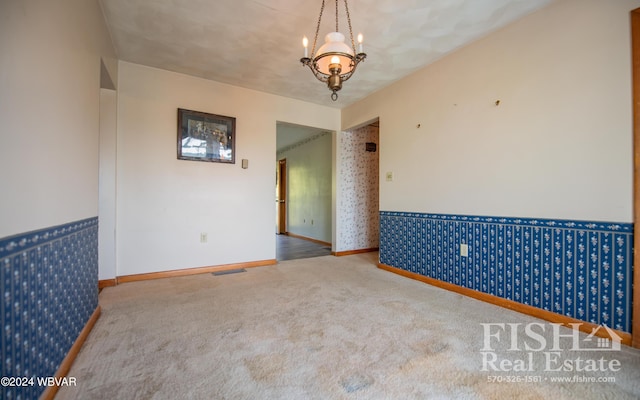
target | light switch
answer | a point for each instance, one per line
(389, 176)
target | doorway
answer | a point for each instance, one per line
(107, 261)
(359, 179)
(304, 190)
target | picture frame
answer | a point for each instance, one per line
(206, 137)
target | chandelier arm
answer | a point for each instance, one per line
(315, 39)
(313, 66)
(345, 77)
(353, 43)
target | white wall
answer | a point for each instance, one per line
(309, 188)
(49, 108)
(559, 145)
(164, 203)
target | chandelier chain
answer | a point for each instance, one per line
(315, 39)
(346, 7)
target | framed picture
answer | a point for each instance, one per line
(206, 137)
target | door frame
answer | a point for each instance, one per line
(635, 56)
(281, 189)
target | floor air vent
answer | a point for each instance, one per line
(229, 271)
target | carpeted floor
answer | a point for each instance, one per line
(319, 328)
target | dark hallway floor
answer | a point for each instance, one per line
(291, 248)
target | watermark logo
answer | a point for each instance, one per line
(612, 342)
(515, 347)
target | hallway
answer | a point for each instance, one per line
(291, 248)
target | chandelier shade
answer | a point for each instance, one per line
(335, 61)
(334, 45)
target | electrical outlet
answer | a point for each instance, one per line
(203, 237)
(464, 250)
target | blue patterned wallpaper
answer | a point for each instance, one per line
(49, 288)
(579, 269)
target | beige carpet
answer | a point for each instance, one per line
(319, 328)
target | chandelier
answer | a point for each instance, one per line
(335, 62)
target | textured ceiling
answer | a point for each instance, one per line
(257, 44)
